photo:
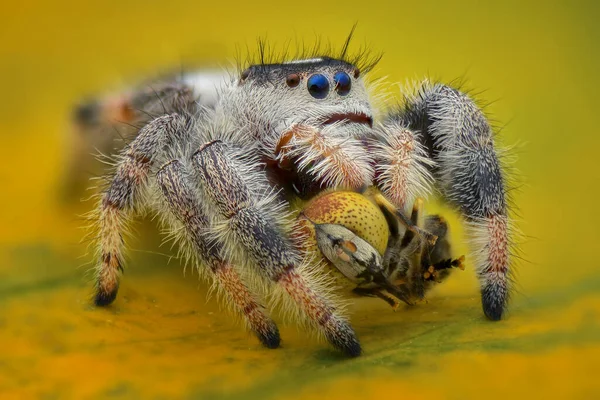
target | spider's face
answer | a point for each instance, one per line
(321, 92)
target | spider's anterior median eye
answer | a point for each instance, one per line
(292, 80)
(318, 86)
(342, 83)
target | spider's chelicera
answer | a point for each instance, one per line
(223, 177)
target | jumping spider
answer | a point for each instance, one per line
(222, 180)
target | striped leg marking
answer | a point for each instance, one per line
(123, 196)
(259, 235)
(183, 204)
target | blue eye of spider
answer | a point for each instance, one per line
(318, 86)
(342, 83)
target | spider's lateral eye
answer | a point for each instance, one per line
(318, 86)
(292, 80)
(245, 75)
(343, 83)
(356, 73)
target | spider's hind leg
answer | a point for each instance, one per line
(124, 196)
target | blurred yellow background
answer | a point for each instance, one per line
(538, 62)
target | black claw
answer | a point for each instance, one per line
(104, 298)
(493, 300)
(271, 339)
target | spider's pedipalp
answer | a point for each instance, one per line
(264, 242)
(402, 163)
(182, 203)
(124, 195)
(461, 142)
(325, 159)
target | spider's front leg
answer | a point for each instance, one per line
(248, 219)
(183, 204)
(459, 139)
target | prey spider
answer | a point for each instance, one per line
(222, 179)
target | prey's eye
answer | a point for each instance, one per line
(292, 80)
(342, 83)
(318, 86)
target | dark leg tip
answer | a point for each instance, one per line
(493, 312)
(353, 349)
(346, 342)
(104, 298)
(271, 339)
(493, 300)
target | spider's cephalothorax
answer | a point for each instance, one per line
(295, 112)
(223, 178)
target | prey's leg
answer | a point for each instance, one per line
(440, 262)
(420, 258)
(416, 264)
(379, 293)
